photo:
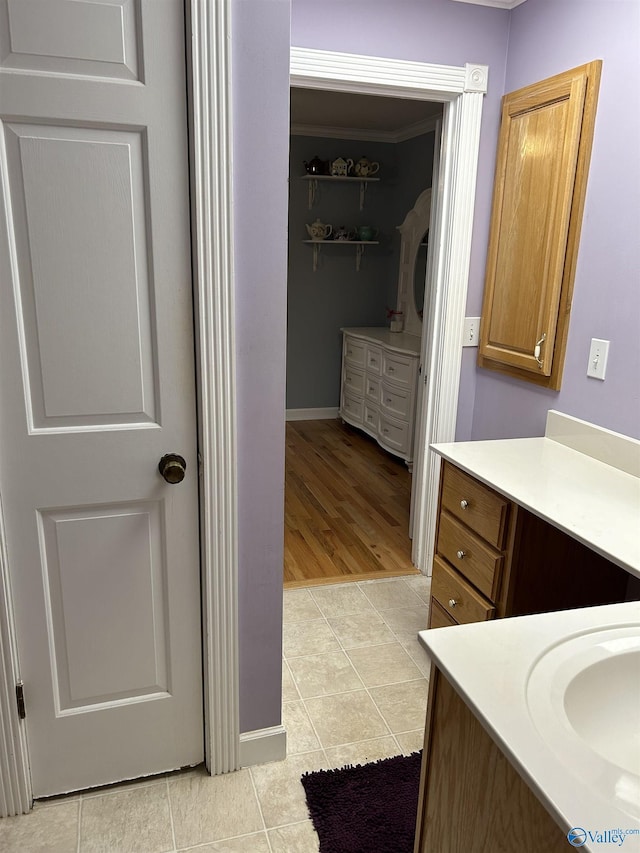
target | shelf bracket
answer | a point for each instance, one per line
(363, 191)
(316, 254)
(359, 254)
(313, 191)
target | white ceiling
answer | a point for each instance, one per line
(359, 116)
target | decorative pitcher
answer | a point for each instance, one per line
(318, 230)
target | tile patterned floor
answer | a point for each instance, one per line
(354, 690)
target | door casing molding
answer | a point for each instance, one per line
(461, 91)
(208, 36)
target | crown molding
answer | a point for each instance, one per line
(391, 136)
(498, 4)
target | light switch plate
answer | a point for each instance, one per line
(471, 337)
(598, 355)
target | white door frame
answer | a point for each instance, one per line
(209, 73)
(461, 91)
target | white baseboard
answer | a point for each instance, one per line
(263, 745)
(312, 414)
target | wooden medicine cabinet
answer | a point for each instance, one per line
(542, 165)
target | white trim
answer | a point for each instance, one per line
(211, 170)
(311, 414)
(461, 90)
(418, 128)
(499, 4)
(262, 745)
(15, 778)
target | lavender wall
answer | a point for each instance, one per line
(547, 37)
(441, 32)
(260, 89)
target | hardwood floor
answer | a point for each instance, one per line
(346, 506)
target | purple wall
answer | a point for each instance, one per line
(547, 37)
(260, 89)
(441, 32)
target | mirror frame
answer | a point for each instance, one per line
(412, 231)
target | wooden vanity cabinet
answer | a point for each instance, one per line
(471, 798)
(494, 559)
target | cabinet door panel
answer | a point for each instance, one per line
(543, 150)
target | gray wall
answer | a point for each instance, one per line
(336, 295)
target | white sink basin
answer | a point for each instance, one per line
(583, 696)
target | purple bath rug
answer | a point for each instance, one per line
(366, 809)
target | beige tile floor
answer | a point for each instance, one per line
(354, 690)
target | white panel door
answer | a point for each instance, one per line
(97, 384)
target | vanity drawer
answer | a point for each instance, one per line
(371, 418)
(394, 434)
(352, 407)
(372, 389)
(475, 504)
(374, 359)
(354, 351)
(438, 617)
(397, 402)
(353, 380)
(466, 552)
(399, 369)
(457, 597)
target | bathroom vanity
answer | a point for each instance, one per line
(514, 751)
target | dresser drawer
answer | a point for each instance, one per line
(352, 407)
(394, 434)
(467, 553)
(372, 389)
(353, 380)
(438, 617)
(399, 369)
(457, 597)
(476, 505)
(354, 351)
(374, 359)
(396, 402)
(371, 418)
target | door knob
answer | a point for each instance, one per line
(172, 467)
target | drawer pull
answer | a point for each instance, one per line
(385, 431)
(391, 370)
(452, 602)
(349, 352)
(388, 400)
(461, 554)
(464, 504)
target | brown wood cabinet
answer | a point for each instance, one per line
(471, 798)
(494, 559)
(544, 150)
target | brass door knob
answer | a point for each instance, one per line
(172, 467)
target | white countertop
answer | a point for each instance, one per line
(489, 664)
(401, 341)
(594, 502)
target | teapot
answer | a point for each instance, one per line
(315, 166)
(367, 233)
(365, 168)
(342, 233)
(318, 231)
(341, 167)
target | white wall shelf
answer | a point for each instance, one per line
(359, 244)
(313, 185)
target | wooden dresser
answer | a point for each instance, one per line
(379, 386)
(494, 559)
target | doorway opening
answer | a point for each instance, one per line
(460, 90)
(358, 163)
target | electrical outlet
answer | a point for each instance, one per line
(598, 355)
(471, 337)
